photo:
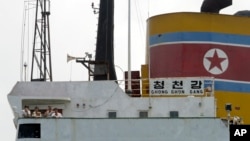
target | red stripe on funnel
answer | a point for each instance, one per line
(186, 60)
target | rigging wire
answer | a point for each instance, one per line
(25, 42)
(139, 18)
(102, 103)
(148, 8)
(142, 8)
(22, 43)
(28, 38)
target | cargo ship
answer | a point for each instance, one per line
(193, 86)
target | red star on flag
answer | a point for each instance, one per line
(215, 61)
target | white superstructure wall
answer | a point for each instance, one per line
(129, 129)
(95, 99)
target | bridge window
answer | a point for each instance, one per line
(29, 131)
(143, 114)
(174, 114)
(112, 114)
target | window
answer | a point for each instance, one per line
(143, 114)
(112, 114)
(174, 114)
(29, 131)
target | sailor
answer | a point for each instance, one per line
(237, 120)
(26, 111)
(36, 113)
(48, 112)
(56, 113)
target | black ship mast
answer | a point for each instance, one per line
(102, 68)
(104, 46)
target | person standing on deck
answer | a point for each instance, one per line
(48, 112)
(56, 114)
(36, 113)
(26, 111)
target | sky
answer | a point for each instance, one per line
(73, 27)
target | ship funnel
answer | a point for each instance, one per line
(214, 6)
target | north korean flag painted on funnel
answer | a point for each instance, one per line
(222, 59)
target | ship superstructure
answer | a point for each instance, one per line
(91, 114)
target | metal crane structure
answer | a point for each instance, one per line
(41, 69)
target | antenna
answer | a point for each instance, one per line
(95, 9)
(41, 56)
